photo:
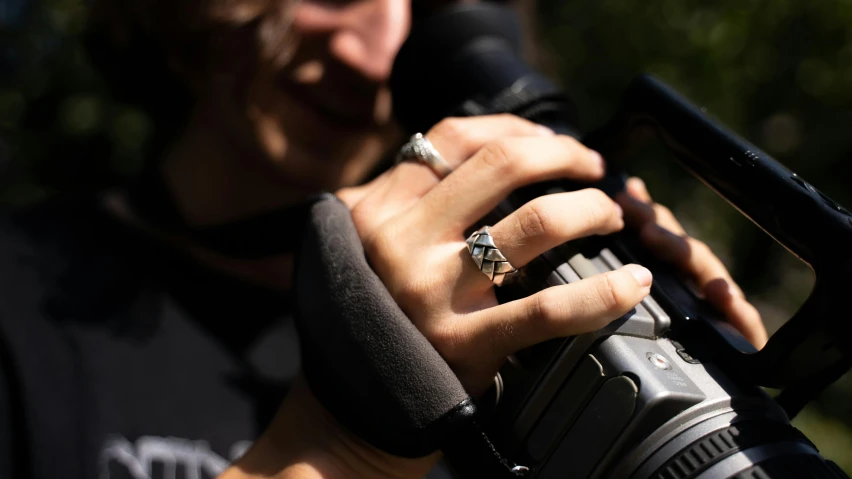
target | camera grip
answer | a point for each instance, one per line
(365, 361)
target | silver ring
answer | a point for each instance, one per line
(419, 148)
(487, 257)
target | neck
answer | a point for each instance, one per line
(214, 181)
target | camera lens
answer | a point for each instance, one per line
(747, 449)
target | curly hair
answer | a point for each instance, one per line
(156, 54)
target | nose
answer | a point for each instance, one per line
(364, 34)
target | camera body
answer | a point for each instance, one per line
(630, 400)
(668, 390)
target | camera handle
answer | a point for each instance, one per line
(809, 351)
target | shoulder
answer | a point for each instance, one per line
(41, 240)
(61, 265)
(60, 256)
(48, 228)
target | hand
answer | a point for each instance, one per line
(305, 442)
(660, 231)
(413, 228)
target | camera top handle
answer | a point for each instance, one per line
(811, 349)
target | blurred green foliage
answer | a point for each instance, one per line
(60, 130)
(779, 72)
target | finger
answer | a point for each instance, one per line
(691, 256)
(482, 182)
(560, 311)
(637, 189)
(456, 139)
(694, 258)
(551, 220)
(638, 213)
(459, 138)
(739, 312)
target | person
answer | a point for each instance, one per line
(146, 329)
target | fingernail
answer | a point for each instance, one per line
(642, 275)
(544, 131)
(636, 187)
(638, 183)
(598, 159)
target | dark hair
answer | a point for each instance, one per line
(157, 54)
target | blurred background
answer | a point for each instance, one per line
(778, 72)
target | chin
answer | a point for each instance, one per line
(319, 144)
(348, 161)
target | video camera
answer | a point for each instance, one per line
(669, 390)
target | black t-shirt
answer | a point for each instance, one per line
(122, 359)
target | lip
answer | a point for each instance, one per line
(344, 105)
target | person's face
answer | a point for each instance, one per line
(324, 117)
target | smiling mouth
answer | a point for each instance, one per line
(339, 95)
(350, 118)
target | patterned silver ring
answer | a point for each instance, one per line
(488, 258)
(419, 148)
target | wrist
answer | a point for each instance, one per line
(304, 441)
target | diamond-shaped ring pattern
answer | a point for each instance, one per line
(487, 257)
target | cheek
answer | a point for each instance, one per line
(347, 47)
(264, 103)
(272, 140)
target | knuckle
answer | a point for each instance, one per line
(573, 146)
(502, 336)
(539, 308)
(446, 340)
(512, 120)
(603, 200)
(663, 212)
(501, 157)
(642, 213)
(535, 220)
(608, 293)
(452, 129)
(359, 217)
(364, 216)
(599, 210)
(409, 293)
(388, 255)
(546, 310)
(379, 244)
(700, 249)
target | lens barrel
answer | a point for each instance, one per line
(748, 449)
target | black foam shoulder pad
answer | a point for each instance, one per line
(366, 362)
